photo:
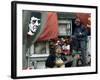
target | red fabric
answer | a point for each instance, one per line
(84, 17)
(51, 28)
(66, 52)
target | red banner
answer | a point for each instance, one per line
(51, 28)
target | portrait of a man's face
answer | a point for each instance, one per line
(33, 25)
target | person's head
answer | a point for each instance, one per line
(58, 50)
(65, 43)
(77, 22)
(34, 24)
(35, 21)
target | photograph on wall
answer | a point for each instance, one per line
(53, 39)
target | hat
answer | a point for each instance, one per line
(36, 14)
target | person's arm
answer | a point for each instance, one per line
(84, 32)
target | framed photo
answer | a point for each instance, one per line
(53, 39)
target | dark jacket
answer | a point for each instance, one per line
(80, 29)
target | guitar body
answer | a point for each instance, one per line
(60, 63)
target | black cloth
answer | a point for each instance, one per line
(50, 62)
